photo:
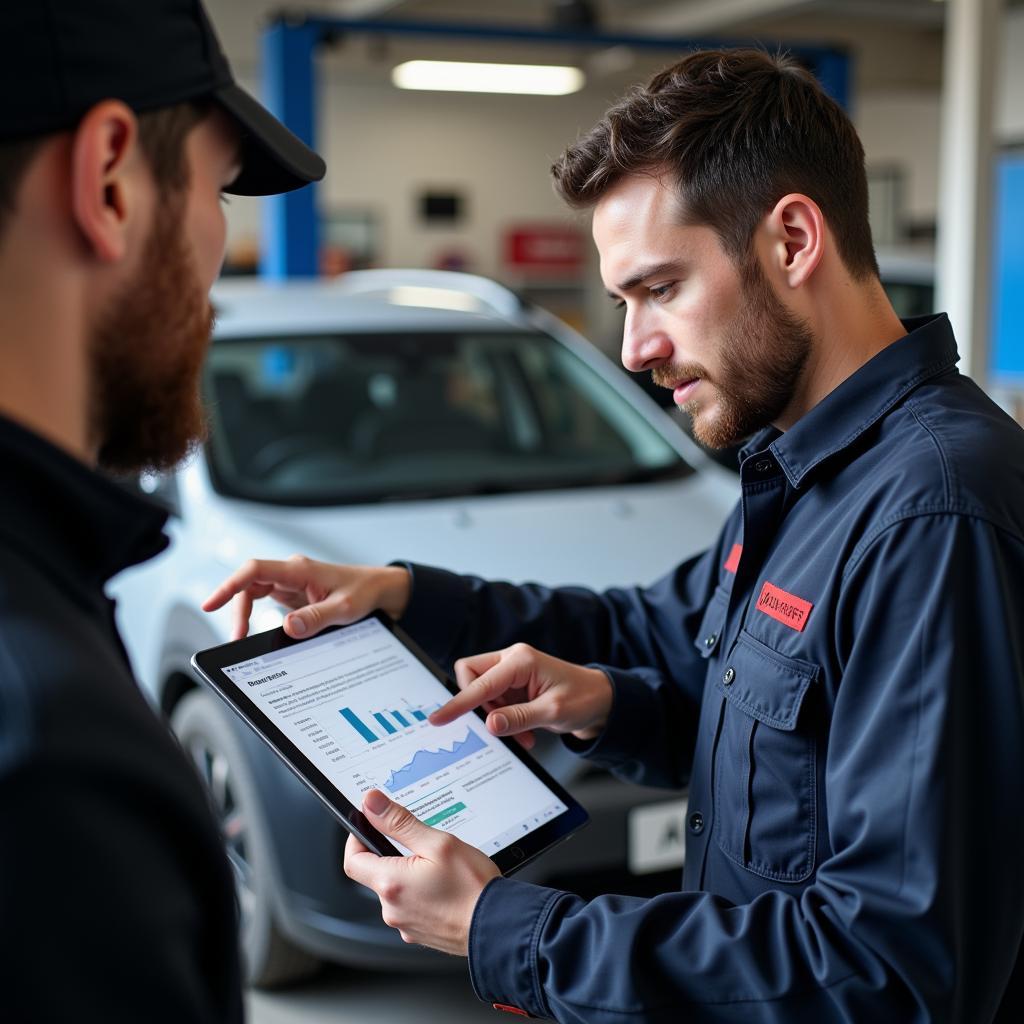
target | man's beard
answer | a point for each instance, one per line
(763, 353)
(147, 356)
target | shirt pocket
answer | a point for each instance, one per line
(709, 636)
(765, 763)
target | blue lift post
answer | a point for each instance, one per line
(1007, 349)
(291, 236)
(291, 225)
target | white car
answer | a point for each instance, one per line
(415, 415)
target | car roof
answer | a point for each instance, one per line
(256, 308)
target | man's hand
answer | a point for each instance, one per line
(524, 689)
(430, 896)
(323, 594)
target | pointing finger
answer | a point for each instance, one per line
(291, 573)
(491, 684)
(468, 669)
(243, 609)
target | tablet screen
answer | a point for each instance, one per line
(355, 701)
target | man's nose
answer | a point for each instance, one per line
(644, 345)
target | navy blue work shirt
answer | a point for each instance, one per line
(840, 681)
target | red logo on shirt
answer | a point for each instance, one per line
(785, 608)
(732, 563)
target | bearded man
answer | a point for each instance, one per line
(839, 679)
(121, 128)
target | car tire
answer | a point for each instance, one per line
(206, 735)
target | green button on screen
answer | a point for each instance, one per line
(445, 814)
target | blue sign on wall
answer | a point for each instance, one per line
(1007, 353)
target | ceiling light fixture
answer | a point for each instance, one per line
(462, 76)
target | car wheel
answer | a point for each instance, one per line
(201, 726)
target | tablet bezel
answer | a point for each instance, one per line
(209, 665)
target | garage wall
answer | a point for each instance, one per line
(384, 146)
(901, 129)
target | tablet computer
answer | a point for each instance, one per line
(347, 711)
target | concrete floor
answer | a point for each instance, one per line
(340, 996)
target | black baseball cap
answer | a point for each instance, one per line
(65, 56)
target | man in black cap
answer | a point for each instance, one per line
(120, 128)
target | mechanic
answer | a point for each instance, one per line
(120, 129)
(839, 679)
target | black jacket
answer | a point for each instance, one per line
(116, 899)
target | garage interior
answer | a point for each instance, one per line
(457, 180)
(416, 362)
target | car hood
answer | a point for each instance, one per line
(596, 537)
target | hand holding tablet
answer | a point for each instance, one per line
(348, 712)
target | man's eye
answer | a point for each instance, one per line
(619, 304)
(661, 292)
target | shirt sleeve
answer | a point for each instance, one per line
(917, 913)
(641, 637)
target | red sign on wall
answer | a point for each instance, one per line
(546, 247)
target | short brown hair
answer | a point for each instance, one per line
(737, 130)
(162, 135)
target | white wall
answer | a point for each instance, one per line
(385, 147)
(902, 129)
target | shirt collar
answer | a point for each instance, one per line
(925, 351)
(60, 513)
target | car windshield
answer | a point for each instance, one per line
(334, 419)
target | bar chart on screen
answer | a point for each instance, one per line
(374, 725)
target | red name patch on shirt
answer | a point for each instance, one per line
(785, 608)
(732, 563)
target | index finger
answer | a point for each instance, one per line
(254, 571)
(492, 683)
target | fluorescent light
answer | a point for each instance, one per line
(462, 76)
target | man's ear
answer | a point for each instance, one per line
(104, 154)
(796, 233)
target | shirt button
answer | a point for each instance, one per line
(709, 641)
(763, 465)
(730, 675)
(696, 823)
